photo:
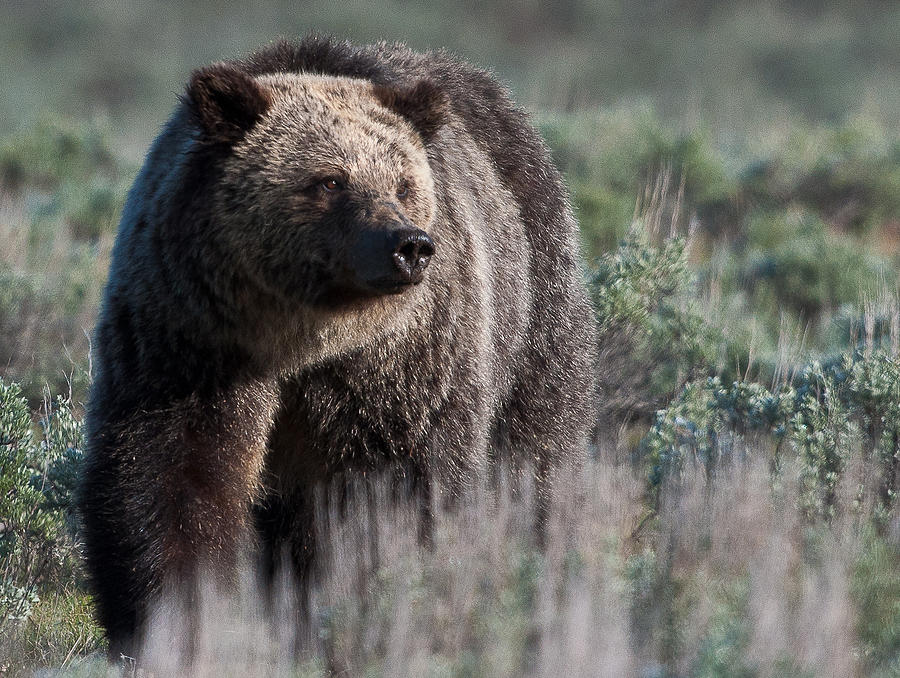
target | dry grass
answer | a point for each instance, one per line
(50, 285)
(728, 579)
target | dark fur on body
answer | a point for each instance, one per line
(231, 368)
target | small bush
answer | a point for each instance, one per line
(38, 550)
(652, 336)
(827, 413)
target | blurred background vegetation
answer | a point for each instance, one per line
(735, 169)
(728, 65)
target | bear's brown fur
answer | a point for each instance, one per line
(334, 259)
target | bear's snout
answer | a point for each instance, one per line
(412, 254)
(389, 260)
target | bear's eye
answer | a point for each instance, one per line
(403, 190)
(331, 184)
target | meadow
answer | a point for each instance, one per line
(736, 513)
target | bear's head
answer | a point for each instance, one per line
(325, 189)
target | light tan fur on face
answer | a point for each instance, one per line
(339, 128)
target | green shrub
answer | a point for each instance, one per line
(826, 415)
(701, 425)
(37, 476)
(652, 337)
(46, 616)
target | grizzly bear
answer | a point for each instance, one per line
(336, 260)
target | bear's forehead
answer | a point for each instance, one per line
(340, 92)
(337, 119)
(327, 100)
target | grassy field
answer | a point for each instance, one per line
(735, 169)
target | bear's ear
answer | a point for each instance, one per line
(226, 101)
(424, 104)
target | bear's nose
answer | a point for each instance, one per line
(412, 254)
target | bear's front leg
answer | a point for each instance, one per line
(166, 498)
